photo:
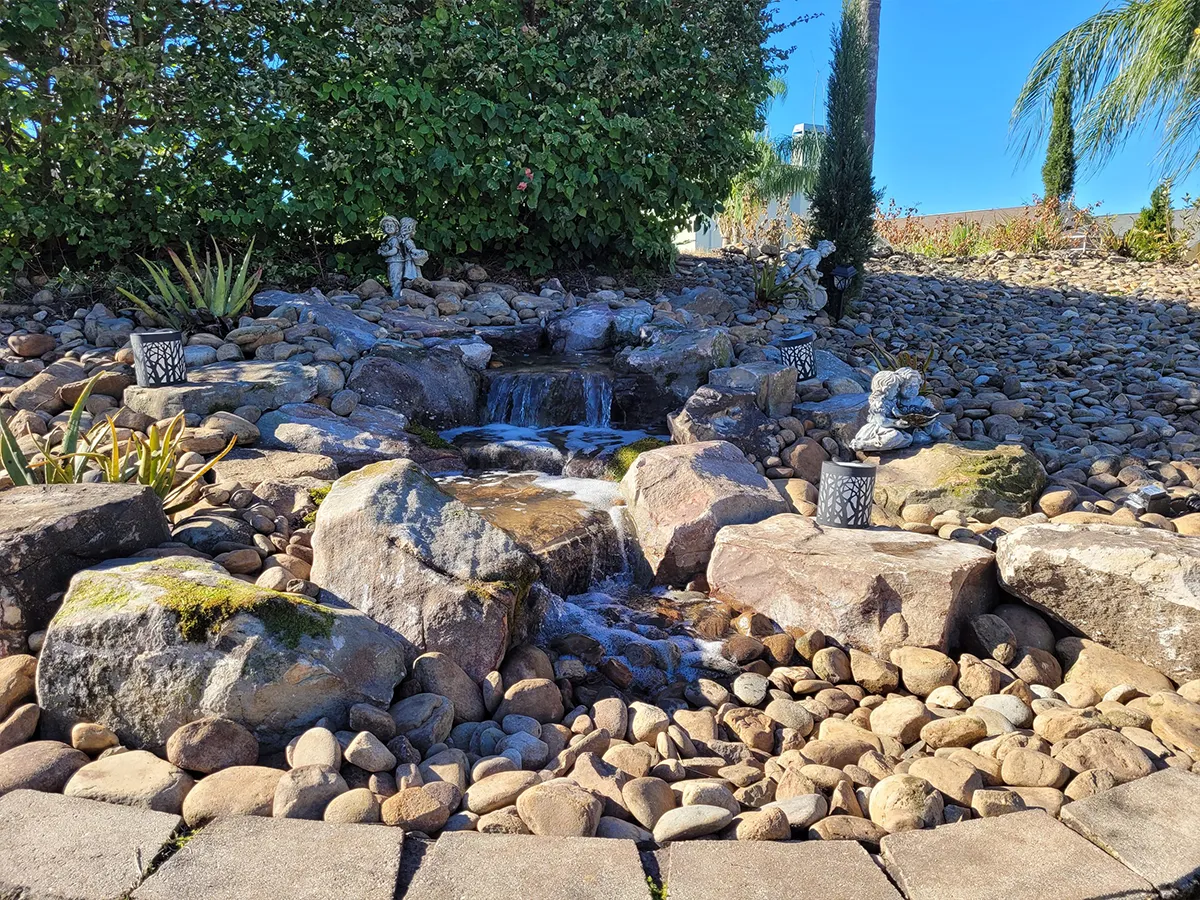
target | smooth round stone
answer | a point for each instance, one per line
(316, 747)
(236, 791)
(513, 723)
(135, 778)
(414, 809)
(996, 722)
(493, 765)
(39, 766)
(708, 793)
(904, 803)
(502, 821)
(560, 808)
(498, 791)
(367, 752)
(804, 810)
(356, 807)
(685, 822)
(1012, 708)
(619, 829)
(791, 714)
(648, 799)
(304, 792)
(93, 738)
(751, 688)
(210, 744)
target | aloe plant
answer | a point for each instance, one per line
(212, 293)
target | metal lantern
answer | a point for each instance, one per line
(158, 358)
(846, 494)
(797, 351)
(841, 277)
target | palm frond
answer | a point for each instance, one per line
(1135, 66)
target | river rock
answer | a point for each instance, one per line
(50, 532)
(39, 766)
(1136, 590)
(875, 589)
(236, 791)
(679, 497)
(437, 673)
(145, 647)
(904, 803)
(1101, 668)
(210, 744)
(427, 568)
(560, 809)
(134, 778)
(304, 792)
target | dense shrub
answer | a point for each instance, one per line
(1153, 237)
(535, 128)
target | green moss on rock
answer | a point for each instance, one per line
(202, 607)
(428, 436)
(624, 457)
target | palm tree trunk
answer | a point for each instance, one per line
(870, 14)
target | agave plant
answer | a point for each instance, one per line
(769, 288)
(61, 464)
(212, 293)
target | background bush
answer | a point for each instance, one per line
(129, 125)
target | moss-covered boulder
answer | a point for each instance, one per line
(147, 646)
(980, 479)
(431, 570)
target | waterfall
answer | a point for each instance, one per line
(557, 397)
(598, 395)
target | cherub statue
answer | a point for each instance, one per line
(897, 415)
(404, 259)
(803, 267)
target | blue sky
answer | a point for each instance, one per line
(949, 71)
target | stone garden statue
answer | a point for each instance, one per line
(803, 268)
(897, 415)
(404, 259)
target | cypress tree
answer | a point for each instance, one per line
(1058, 174)
(844, 197)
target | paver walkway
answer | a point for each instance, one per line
(1141, 840)
(1021, 856)
(53, 846)
(1151, 825)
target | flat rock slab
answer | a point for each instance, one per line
(468, 866)
(1152, 825)
(54, 847)
(1021, 856)
(748, 870)
(280, 859)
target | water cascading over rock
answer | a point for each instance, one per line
(546, 398)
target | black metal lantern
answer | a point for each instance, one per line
(846, 494)
(798, 352)
(840, 278)
(158, 358)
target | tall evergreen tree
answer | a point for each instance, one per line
(844, 198)
(1058, 174)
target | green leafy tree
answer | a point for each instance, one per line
(1058, 172)
(844, 198)
(532, 129)
(1132, 63)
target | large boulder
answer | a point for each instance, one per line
(50, 532)
(679, 361)
(226, 386)
(597, 326)
(367, 435)
(772, 384)
(978, 479)
(873, 589)
(576, 544)
(424, 565)
(147, 646)
(431, 385)
(723, 414)
(1136, 590)
(680, 496)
